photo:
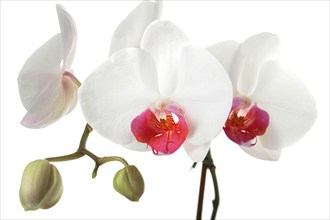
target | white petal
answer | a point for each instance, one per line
(258, 151)
(55, 101)
(69, 36)
(196, 152)
(291, 107)
(41, 69)
(118, 91)
(137, 146)
(204, 92)
(225, 52)
(129, 32)
(164, 41)
(253, 52)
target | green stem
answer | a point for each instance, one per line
(216, 200)
(84, 137)
(201, 192)
(82, 151)
(101, 160)
(74, 156)
(78, 154)
(208, 164)
(90, 154)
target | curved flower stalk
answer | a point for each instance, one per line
(162, 95)
(272, 108)
(48, 90)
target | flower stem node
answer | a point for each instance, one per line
(41, 186)
(129, 182)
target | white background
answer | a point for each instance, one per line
(295, 187)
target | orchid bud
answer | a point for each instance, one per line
(129, 182)
(41, 186)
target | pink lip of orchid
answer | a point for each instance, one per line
(163, 135)
(155, 90)
(245, 122)
(48, 90)
(272, 108)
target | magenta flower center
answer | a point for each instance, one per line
(245, 122)
(163, 130)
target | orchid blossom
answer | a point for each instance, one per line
(48, 90)
(272, 108)
(158, 92)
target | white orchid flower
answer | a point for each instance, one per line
(158, 91)
(48, 90)
(272, 108)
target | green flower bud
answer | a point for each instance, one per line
(129, 182)
(41, 186)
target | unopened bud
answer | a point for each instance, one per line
(41, 186)
(129, 182)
